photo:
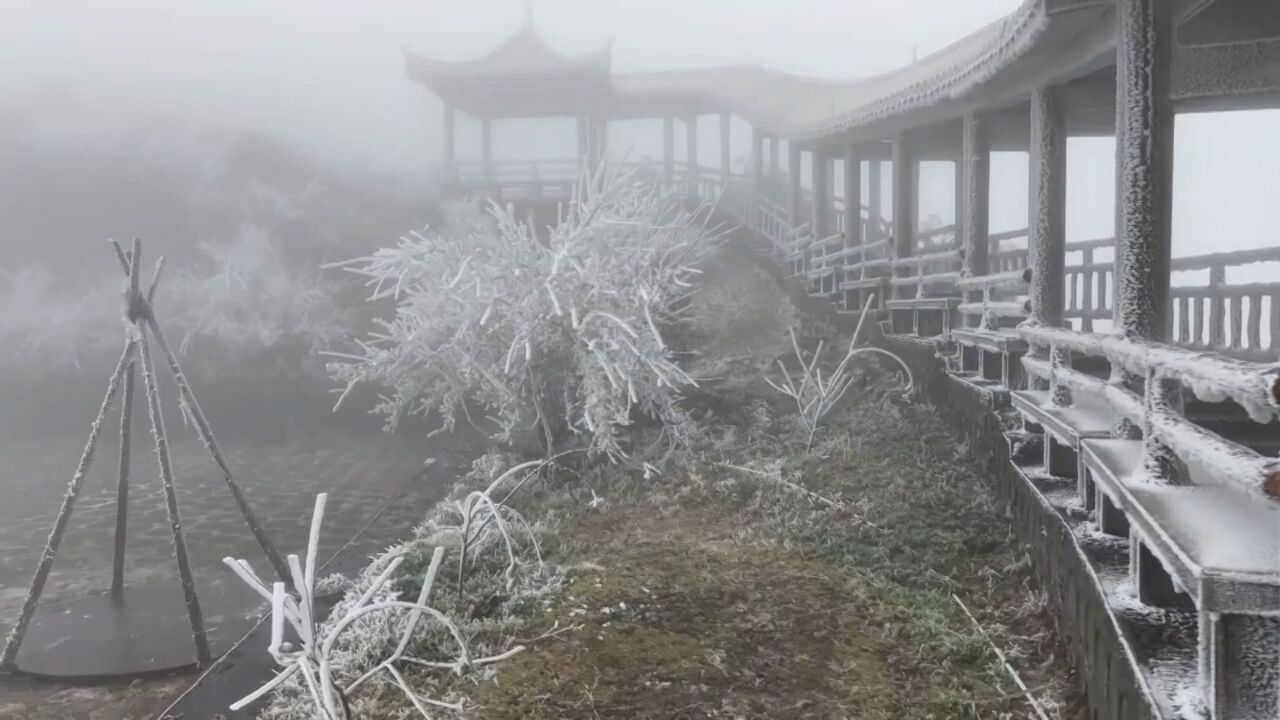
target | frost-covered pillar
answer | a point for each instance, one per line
(852, 196)
(874, 201)
(668, 150)
(450, 148)
(757, 155)
(486, 148)
(691, 148)
(602, 138)
(793, 183)
(583, 141)
(726, 169)
(1144, 178)
(1048, 229)
(904, 206)
(775, 160)
(821, 193)
(975, 194)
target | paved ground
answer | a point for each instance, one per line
(361, 473)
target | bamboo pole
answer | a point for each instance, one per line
(195, 617)
(210, 441)
(14, 641)
(122, 486)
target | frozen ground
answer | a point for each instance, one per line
(362, 473)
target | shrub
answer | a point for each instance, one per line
(559, 332)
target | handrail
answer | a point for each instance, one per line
(1209, 376)
(1253, 386)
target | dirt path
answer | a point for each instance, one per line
(718, 593)
(688, 622)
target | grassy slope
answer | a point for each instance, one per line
(721, 593)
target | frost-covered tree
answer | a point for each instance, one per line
(562, 330)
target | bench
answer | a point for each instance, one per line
(1064, 428)
(923, 317)
(1213, 547)
(990, 354)
(856, 292)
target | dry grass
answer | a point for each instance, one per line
(721, 593)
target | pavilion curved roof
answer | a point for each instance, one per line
(1040, 40)
(522, 77)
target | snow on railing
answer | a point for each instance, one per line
(1211, 378)
(995, 301)
(1234, 315)
(935, 273)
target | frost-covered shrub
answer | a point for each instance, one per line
(561, 332)
(248, 294)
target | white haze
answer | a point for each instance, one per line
(326, 79)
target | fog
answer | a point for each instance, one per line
(256, 143)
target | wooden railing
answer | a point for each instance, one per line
(1003, 295)
(1241, 320)
(1224, 317)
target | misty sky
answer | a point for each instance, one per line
(327, 77)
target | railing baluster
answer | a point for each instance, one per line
(1234, 311)
(1217, 313)
(1275, 321)
(1255, 322)
(1183, 335)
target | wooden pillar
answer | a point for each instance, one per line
(904, 190)
(486, 148)
(602, 138)
(1144, 175)
(976, 195)
(821, 193)
(668, 150)
(874, 200)
(793, 184)
(775, 161)
(757, 156)
(726, 165)
(450, 146)
(584, 142)
(691, 151)
(1048, 232)
(852, 196)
